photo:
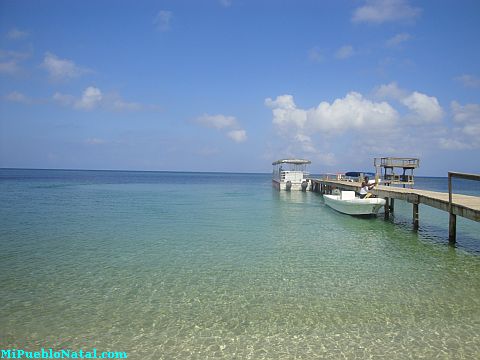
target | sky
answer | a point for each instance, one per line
(232, 85)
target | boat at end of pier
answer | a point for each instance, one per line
(347, 203)
(290, 174)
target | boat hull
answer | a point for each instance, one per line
(282, 185)
(355, 206)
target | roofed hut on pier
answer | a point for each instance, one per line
(396, 170)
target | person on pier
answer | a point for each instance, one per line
(366, 186)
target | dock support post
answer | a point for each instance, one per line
(452, 225)
(387, 208)
(392, 205)
(415, 216)
(452, 229)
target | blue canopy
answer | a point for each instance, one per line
(359, 173)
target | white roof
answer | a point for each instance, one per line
(292, 161)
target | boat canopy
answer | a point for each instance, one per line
(292, 161)
(359, 173)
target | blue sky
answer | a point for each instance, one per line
(231, 85)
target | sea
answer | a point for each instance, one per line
(179, 265)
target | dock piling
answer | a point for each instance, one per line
(452, 229)
(387, 208)
(415, 217)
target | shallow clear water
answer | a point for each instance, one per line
(198, 266)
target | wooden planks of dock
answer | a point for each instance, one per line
(462, 205)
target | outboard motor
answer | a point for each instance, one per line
(288, 185)
(304, 186)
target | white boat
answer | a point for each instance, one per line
(290, 174)
(347, 203)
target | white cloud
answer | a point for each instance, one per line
(217, 121)
(237, 135)
(354, 128)
(91, 98)
(16, 96)
(391, 91)
(471, 81)
(398, 40)
(285, 112)
(381, 11)
(16, 34)
(424, 108)
(228, 124)
(62, 69)
(466, 133)
(305, 143)
(472, 130)
(344, 52)
(352, 115)
(162, 20)
(351, 112)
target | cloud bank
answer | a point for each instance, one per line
(395, 122)
(351, 112)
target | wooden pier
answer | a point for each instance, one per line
(455, 204)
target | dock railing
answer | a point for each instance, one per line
(396, 162)
(453, 218)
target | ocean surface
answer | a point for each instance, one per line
(220, 266)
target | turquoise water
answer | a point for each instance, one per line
(201, 266)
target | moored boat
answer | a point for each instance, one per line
(290, 174)
(347, 203)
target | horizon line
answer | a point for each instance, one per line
(169, 171)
